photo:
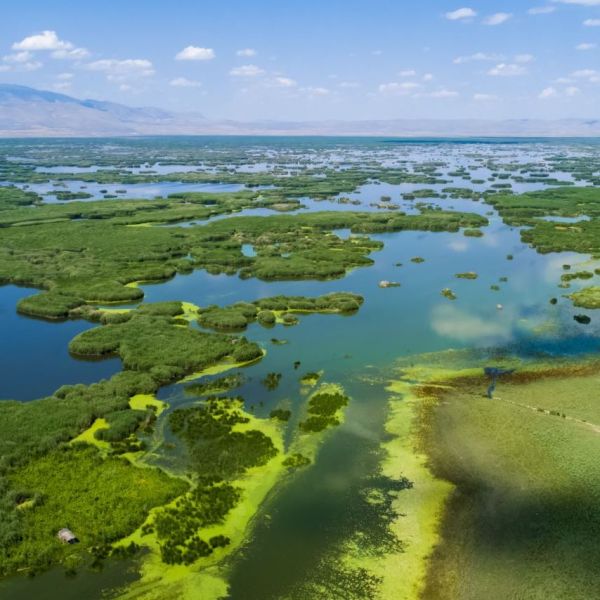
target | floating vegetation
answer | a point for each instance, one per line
(296, 461)
(214, 386)
(323, 410)
(280, 414)
(588, 297)
(582, 319)
(271, 381)
(476, 233)
(310, 378)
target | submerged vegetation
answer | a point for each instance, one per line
(218, 454)
(323, 410)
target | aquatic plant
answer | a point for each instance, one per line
(280, 414)
(271, 381)
(476, 233)
(448, 293)
(588, 297)
(583, 319)
(323, 408)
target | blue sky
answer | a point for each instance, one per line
(313, 59)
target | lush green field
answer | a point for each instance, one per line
(100, 499)
(524, 519)
(238, 316)
(523, 209)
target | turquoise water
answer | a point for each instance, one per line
(302, 524)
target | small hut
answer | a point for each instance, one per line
(67, 536)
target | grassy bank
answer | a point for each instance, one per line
(523, 519)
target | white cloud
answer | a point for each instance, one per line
(20, 61)
(541, 10)
(401, 88)
(552, 92)
(33, 66)
(580, 2)
(246, 71)
(46, 40)
(451, 321)
(65, 76)
(73, 54)
(507, 70)
(478, 56)
(484, 97)
(62, 86)
(183, 82)
(586, 46)
(285, 82)
(428, 77)
(407, 73)
(461, 13)
(497, 18)
(443, 93)
(195, 53)
(118, 70)
(524, 58)
(49, 40)
(458, 246)
(592, 22)
(548, 92)
(584, 73)
(18, 57)
(247, 52)
(591, 75)
(349, 84)
(316, 91)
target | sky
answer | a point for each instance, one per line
(313, 59)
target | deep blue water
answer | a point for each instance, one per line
(35, 359)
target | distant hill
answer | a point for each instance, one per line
(27, 112)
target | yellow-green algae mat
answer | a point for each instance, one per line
(206, 579)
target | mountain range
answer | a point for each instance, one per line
(28, 112)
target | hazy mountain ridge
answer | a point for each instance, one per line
(27, 112)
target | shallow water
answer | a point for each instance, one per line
(144, 191)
